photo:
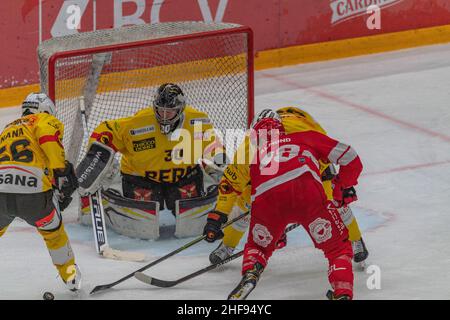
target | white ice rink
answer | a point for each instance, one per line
(394, 108)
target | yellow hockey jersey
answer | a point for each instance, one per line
(30, 149)
(147, 152)
(237, 174)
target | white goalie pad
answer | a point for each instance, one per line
(191, 214)
(132, 218)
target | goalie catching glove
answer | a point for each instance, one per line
(95, 168)
(212, 229)
(66, 183)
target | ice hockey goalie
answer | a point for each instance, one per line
(162, 149)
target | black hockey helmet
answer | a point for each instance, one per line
(169, 103)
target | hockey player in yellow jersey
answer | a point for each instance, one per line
(162, 147)
(36, 182)
(294, 120)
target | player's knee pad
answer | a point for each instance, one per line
(133, 218)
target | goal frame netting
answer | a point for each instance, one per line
(48, 62)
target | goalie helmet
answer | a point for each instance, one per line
(168, 104)
(38, 103)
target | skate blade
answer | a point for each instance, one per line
(360, 266)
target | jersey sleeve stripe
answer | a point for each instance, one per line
(98, 137)
(348, 156)
(51, 138)
(342, 154)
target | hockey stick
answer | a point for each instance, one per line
(184, 247)
(98, 219)
(167, 283)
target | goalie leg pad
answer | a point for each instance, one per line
(94, 168)
(132, 218)
(191, 214)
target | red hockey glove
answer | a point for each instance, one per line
(343, 196)
(282, 242)
(214, 222)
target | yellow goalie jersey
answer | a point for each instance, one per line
(30, 149)
(146, 152)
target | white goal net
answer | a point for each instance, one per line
(117, 71)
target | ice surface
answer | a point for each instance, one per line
(393, 108)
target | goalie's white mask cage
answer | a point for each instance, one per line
(115, 73)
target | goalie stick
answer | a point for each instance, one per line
(168, 283)
(98, 219)
(184, 247)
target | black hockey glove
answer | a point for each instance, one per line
(349, 195)
(214, 222)
(66, 183)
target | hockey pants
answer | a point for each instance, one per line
(302, 201)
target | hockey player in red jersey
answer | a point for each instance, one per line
(286, 188)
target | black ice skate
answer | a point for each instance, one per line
(332, 296)
(360, 253)
(247, 284)
(220, 253)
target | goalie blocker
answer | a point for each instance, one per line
(94, 168)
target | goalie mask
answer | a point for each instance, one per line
(38, 103)
(168, 104)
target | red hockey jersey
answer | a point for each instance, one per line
(292, 155)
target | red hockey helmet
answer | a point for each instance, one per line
(268, 120)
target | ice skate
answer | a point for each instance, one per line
(360, 253)
(73, 283)
(247, 284)
(332, 296)
(220, 253)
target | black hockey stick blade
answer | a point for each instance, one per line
(170, 283)
(151, 264)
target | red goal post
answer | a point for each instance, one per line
(115, 72)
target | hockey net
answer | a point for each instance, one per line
(116, 72)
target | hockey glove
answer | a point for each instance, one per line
(343, 196)
(66, 183)
(214, 222)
